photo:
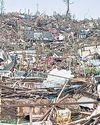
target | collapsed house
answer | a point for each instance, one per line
(50, 71)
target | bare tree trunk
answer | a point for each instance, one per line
(67, 12)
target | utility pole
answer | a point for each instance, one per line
(1, 7)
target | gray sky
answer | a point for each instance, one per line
(81, 8)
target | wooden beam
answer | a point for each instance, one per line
(30, 112)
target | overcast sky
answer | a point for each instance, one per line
(81, 8)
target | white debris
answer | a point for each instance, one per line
(86, 99)
(98, 90)
(56, 78)
(96, 111)
(61, 37)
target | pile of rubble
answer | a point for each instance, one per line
(50, 69)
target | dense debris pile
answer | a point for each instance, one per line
(50, 69)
